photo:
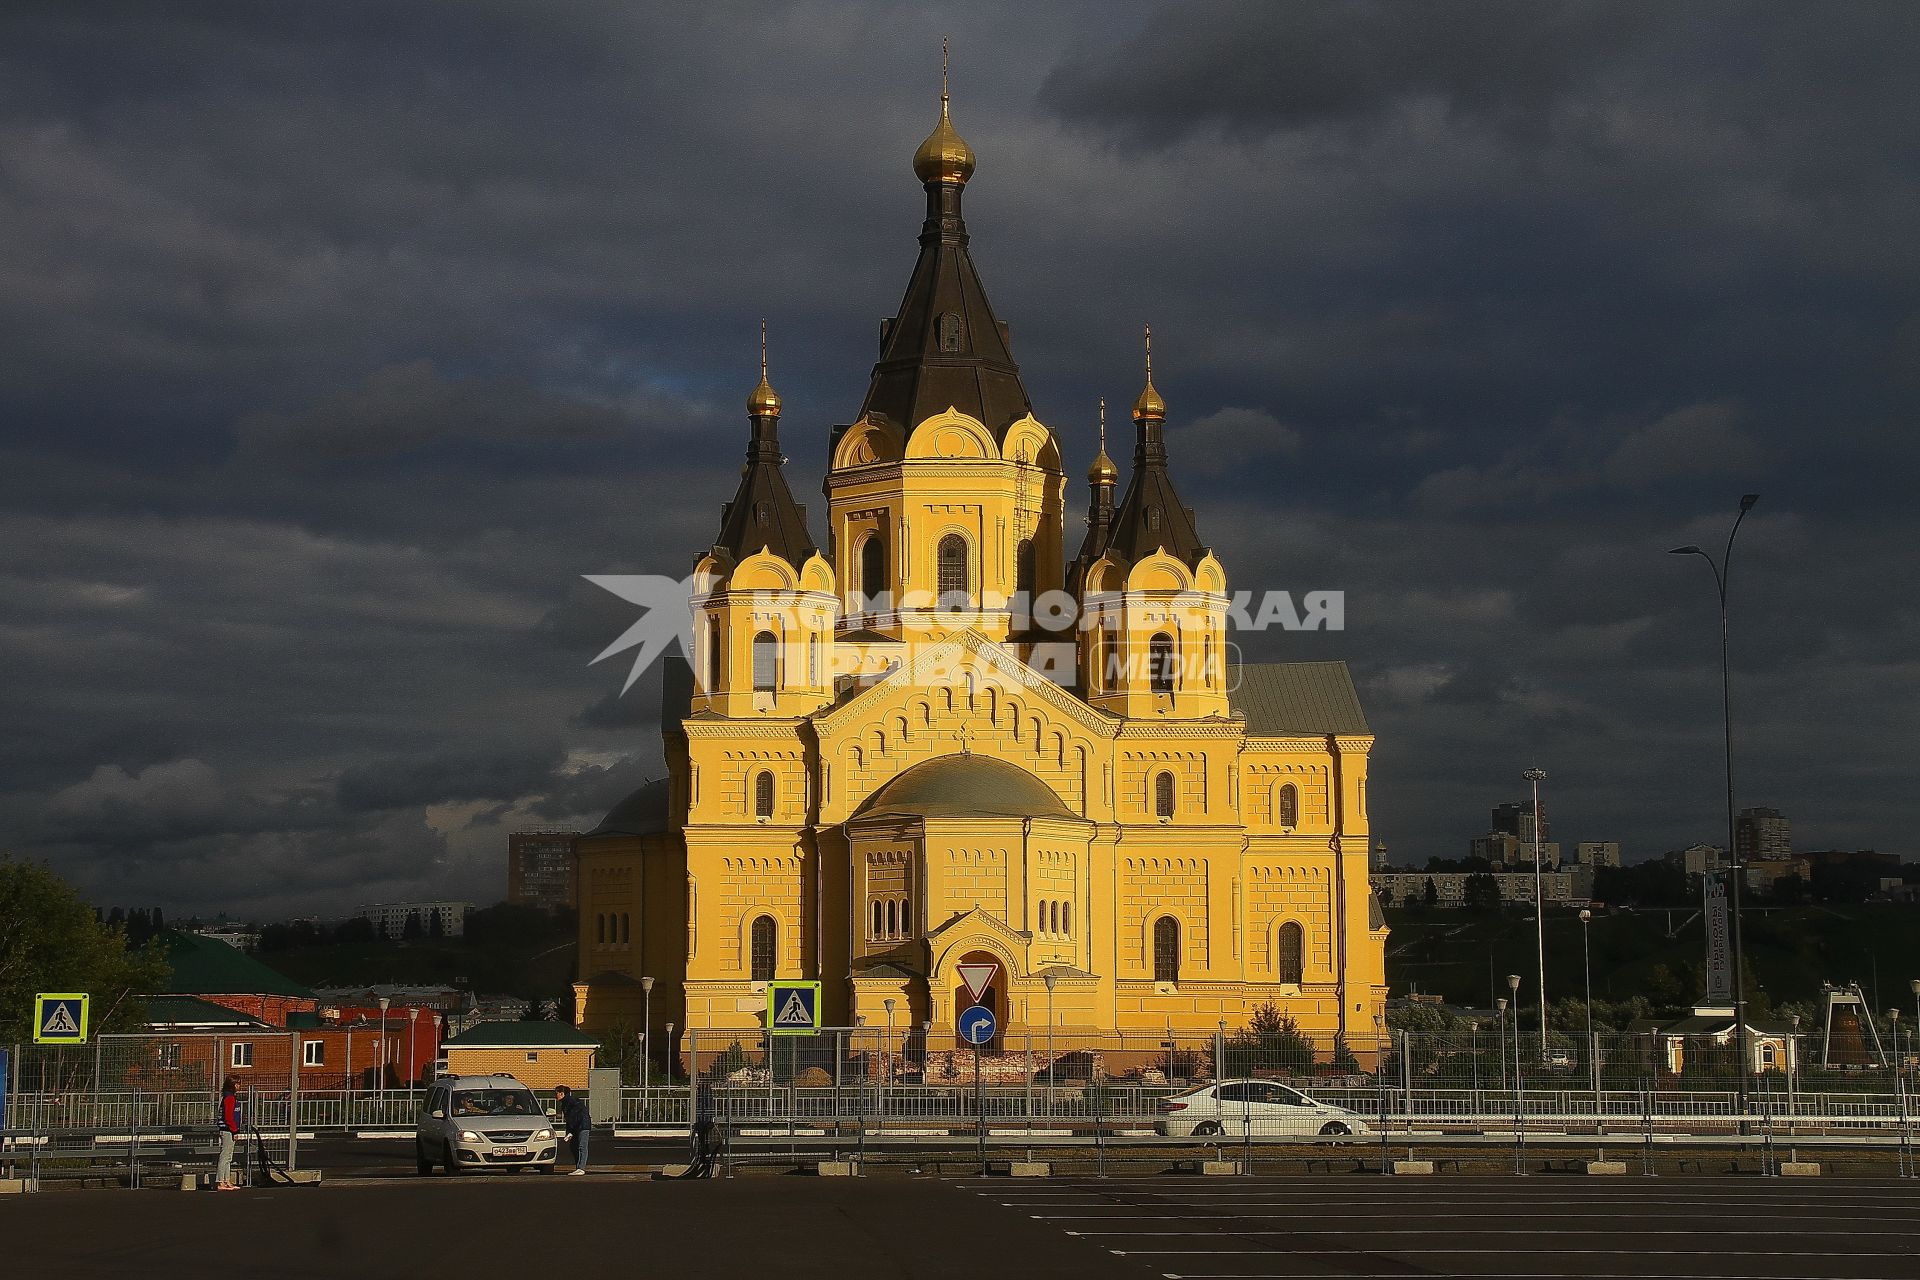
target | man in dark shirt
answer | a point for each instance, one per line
(578, 1126)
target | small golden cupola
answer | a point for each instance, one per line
(763, 401)
(1149, 407)
(1103, 471)
(945, 155)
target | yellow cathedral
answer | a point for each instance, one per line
(885, 761)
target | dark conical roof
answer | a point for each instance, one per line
(944, 347)
(763, 512)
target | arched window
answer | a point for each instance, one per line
(953, 583)
(764, 938)
(1289, 952)
(893, 919)
(599, 928)
(716, 659)
(1023, 571)
(873, 570)
(763, 795)
(1166, 949)
(1066, 918)
(1160, 662)
(906, 917)
(879, 919)
(626, 928)
(1288, 805)
(1163, 794)
(813, 663)
(766, 662)
(1096, 666)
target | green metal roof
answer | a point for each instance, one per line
(642, 813)
(203, 967)
(966, 786)
(191, 1011)
(1296, 699)
(520, 1035)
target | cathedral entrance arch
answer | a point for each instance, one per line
(994, 997)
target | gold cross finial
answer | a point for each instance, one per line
(1149, 353)
(763, 348)
(943, 76)
(966, 748)
(1103, 424)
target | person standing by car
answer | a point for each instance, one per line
(229, 1129)
(578, 1125)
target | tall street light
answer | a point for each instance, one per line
(380, 1082)
(646, 1031)
(1051, 979)
(1536, 777)
(1500, 1007)
(1586, 963)
(413, 1029)
(1513, 985)
(1722, 571)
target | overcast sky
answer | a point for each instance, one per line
(337, 341)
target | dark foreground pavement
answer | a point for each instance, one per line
(887, 1226)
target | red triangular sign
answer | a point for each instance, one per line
(978, 977)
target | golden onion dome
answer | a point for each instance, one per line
(1149, 407)
(945, 155)
(763, 400)
(1103, 471)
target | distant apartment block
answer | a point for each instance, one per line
(1762, 834)
(1597, 853)
(1504, 849)
(390, 918)
(1571, 887)
(540, 868)
(1699, 859)
(1517, 820)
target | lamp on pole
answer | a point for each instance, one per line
(1536, 777)
(1513, 985)
(668, 1062)
(413, 1026)
(1500, 1007)
(646, 1031)
(1722, 572)
(886, 1057)
(1051, 978)
(380, 1081)
(1586, 963)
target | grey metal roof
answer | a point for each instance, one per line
(1287, 699)
(642, 813)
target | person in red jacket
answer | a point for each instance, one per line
(229, 1126)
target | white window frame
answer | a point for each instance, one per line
(313, 1053)
(240, 1055)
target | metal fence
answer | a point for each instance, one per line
(157, 1094)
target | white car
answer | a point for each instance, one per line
(1230, 1108)
(468, 1123)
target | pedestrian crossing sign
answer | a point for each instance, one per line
(793, 1008)
(60, 1018)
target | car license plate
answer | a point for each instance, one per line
(510, 1151)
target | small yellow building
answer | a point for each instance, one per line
(940, 739)
(539, 1055)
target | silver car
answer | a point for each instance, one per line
(482, 1122)
(1233, 1107)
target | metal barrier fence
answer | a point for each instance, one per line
(160, 1090)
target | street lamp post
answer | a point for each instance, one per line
(413, 1027)
(1513, 985)
(1536, 777)
(1722, 572)
(668, 1061)
(646, 1034)
(1050, 979)
(1500, 1007)
(1586, 963)
(886, 1056)
(380, 1080)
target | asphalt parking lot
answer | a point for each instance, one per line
(1367, 1228)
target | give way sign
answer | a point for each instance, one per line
(978, 977)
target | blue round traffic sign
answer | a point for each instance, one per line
(976, 1025)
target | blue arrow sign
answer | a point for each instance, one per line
(976, 1025)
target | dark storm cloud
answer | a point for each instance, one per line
(342, 341)
(1250, 68)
